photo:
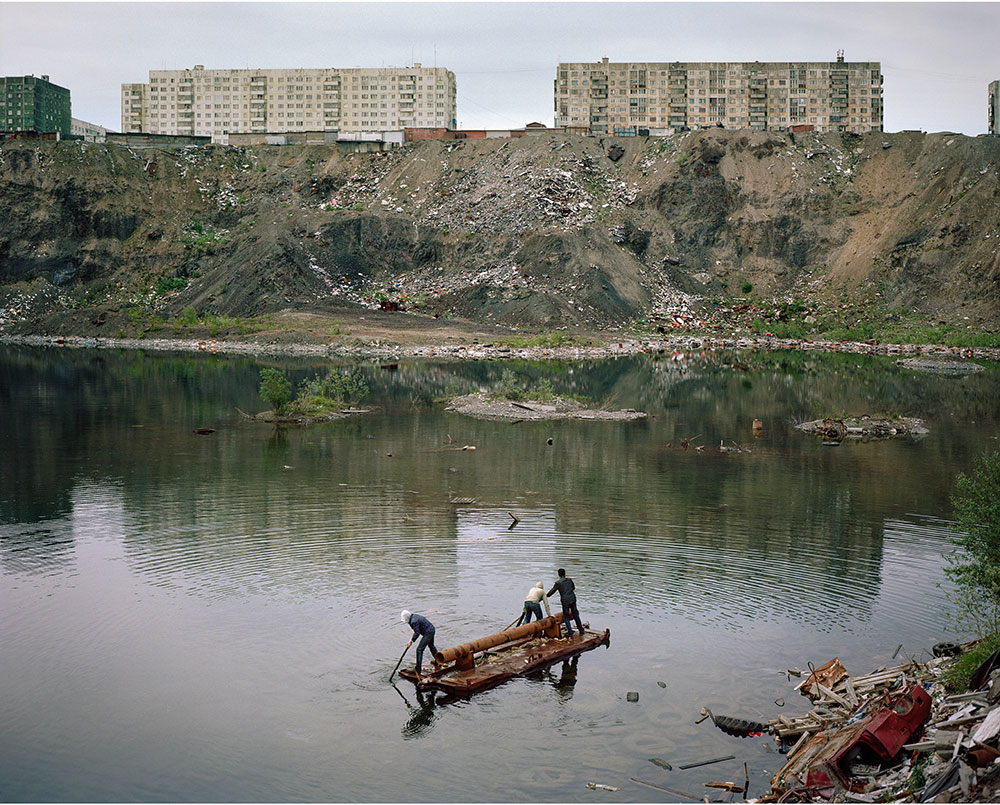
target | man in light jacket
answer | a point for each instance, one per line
(532, 604)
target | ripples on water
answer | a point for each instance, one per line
(194, 618)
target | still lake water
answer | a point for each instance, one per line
(214, 618)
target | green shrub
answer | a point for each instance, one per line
(508, 388)
(170, 284)
(338, 389)
(275, 389)
(975, 565)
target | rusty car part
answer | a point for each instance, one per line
(824, 762)
(827, 675)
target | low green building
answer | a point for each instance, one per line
(28, 103)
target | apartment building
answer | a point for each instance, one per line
(620, 98)
(219, 102)
(28, 103)
(90, 132)
(994, 118)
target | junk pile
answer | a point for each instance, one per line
(893, 735)
(864, 428)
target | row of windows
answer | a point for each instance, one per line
(373, 82)
(682, 71)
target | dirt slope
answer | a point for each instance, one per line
(541, 232)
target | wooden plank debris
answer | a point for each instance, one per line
(725, 786)
(826, 692)
(666, 788)
(989, 729)
(707, 762)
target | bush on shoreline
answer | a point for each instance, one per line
(316, 396)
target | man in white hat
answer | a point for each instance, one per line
(423, 629)
(532, 604)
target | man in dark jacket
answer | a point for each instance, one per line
(567, 597)
(423, 629)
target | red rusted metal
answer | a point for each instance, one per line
(894, 725)
(828, 675)
(823, 764)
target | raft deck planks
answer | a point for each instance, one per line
(500, 663)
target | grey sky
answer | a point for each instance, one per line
(938, 58)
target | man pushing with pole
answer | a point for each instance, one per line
(423, 629)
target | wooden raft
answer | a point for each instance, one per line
(500, 663)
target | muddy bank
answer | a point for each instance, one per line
(485, 406)
(485, 345)
(940, 366)
(274, 418)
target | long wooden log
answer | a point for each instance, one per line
(665, 788)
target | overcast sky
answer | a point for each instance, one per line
(938, 58)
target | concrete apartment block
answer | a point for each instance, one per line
(994, 118)
(28, 103)
(620, 98)
(217, 103)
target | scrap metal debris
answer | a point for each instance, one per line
(892, 735)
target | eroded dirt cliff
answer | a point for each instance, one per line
(540, 233)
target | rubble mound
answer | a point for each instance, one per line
(864, 427)
(485, 406)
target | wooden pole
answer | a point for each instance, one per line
(400, 661)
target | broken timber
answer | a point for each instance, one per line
(492, 660)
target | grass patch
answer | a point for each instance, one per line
(956, 679)
(202, 237)
(167, 285)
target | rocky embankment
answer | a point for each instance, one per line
(541, 233)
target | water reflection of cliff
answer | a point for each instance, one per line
(687, 526)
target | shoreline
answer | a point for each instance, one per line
(613, 348)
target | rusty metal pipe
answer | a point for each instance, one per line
(545, 625)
